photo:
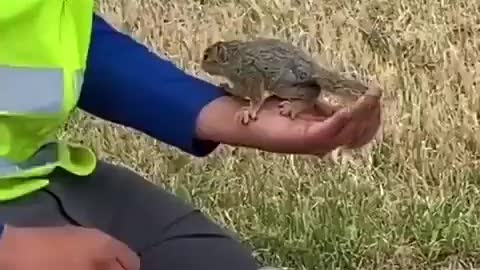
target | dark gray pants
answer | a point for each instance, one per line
(166, 232)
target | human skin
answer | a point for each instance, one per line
(309, 134)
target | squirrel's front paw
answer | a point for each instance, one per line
(292, 108)
(245, 115)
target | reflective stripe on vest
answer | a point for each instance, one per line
(45, 87)
(46, 155)
(33, 90)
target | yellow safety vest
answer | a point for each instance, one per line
(43, 54)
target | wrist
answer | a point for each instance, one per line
(216, 122)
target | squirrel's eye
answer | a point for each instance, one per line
(205, 56)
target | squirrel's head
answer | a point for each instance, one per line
(216, 57)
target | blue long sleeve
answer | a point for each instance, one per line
(127, 84)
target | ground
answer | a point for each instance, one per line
(408, 201)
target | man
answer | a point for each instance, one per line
(134, 224)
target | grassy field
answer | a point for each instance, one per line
(409, 201)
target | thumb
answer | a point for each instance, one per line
(125, 256)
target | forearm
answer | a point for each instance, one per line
(217, 123)
(127, 84)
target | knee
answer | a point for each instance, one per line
(197, 252)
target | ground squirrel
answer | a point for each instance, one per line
(266, 67)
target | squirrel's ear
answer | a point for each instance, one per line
(222, 52)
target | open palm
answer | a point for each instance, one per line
(309, 133)
(312, 133)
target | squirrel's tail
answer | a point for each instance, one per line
(338, 85)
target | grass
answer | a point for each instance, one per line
(409, 201)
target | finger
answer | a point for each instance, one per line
(370, 129)
(125, 257)
(363, 130)
(369, 124)
(108, 264)
(330, 127)
(118, 264)
(324, 135)
(357, 137)
(347, 135)
(311, 117)
(366, 104)
(317, 113)
(367, 119)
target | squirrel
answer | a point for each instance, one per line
(265, 67)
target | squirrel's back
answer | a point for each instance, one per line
(273, 59)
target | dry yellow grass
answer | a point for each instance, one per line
(410, 202)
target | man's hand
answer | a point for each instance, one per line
(61, 248)
(310, 133)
